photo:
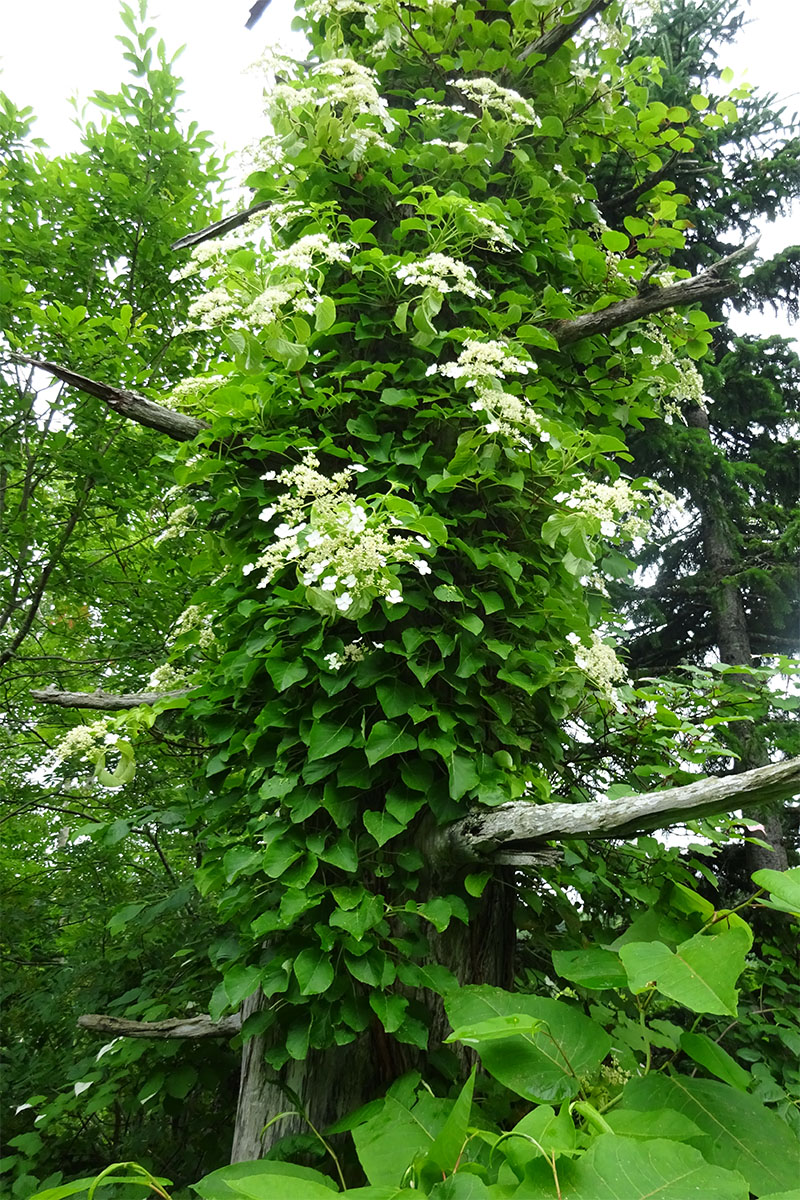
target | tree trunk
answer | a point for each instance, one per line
(332, 1083)
(733, 641)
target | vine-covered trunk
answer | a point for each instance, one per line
(331, 1083)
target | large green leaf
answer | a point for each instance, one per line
(219, 1185)
(548, 1064)
(700, 974)
(387, 738)
(620, 1168)
(739, 1132)
(783, 887)
(592, 968)
(388, 1142)
(326, 737)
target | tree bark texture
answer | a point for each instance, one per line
(105, 701)
(146, 412)
(174, 1027)
(555, 38)
(478, 837)
(708, 285)
(218, 228)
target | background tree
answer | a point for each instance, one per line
(91, 587)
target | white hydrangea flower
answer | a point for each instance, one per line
(503, 102)
(600, 663)
(214, 307)
(340, 82)
(194, 618)
(83, 741)
(479, 361)
(342, 546)
(510, 415)
(620, 510)
(688, 391)
(443, 274)
(303, 254)
(166, 678)
(180, 521)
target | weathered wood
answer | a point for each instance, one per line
(555, 38)
(519, 824)
(174, 1027)
(136, 408)
(256, 11)
(708, 285)
(218, 228)
(106, 701)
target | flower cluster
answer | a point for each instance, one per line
(502, 102)
(599, 662)
(310, 250)
(234, 299)
(510, 415)
(268, 306)
(618, 508)
(194, 387)
(342, 547)
(443, 274)
(341, 82)
(84, 741)
(180, 521)
(479, 361)
(167, 677)
(355, 652)
(674, 395)
(214, 307)
(194, 618)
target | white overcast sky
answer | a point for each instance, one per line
(52, 50)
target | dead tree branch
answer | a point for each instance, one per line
(490, 835)
(106, 701)
(176, 425)
(708, 285)
(555, 38)
(218, 228)
(175, 1027)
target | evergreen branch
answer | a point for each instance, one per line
(127, 404)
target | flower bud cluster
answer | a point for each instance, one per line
(341, 547)
(355, 652)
